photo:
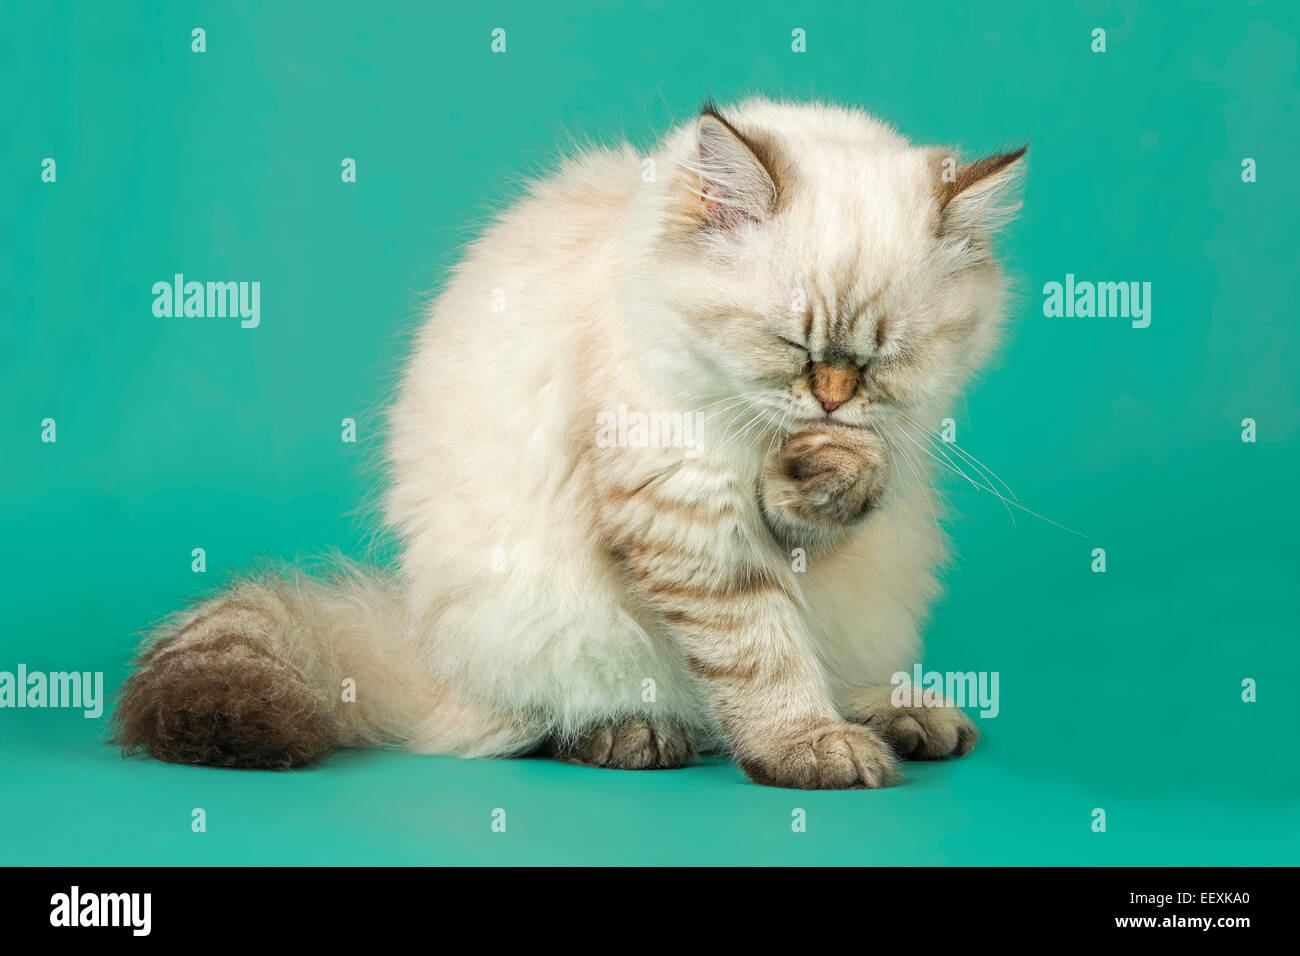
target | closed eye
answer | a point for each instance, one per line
(793, 344)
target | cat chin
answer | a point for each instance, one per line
(808, 421)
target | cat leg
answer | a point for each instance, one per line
(914, 731)
(699, 557)
(633, 743)
(821, 482)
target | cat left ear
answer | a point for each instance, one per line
(734, 185)
(979, 197)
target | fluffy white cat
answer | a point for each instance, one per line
(793, 295)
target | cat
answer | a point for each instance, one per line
(800, 279)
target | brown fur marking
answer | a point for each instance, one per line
(224, 701)
(722, 672)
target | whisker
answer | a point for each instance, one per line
(1006, 501)
(959, 470)
(758, 437)
(946, 462)
(727, 402)
(758, 419)
(963, 452)
(780, 428)
(735, 416)
(915, 466)
(744, 429)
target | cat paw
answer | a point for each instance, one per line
(828, 475)
(636, 743)
(834, 756)
(916, 732)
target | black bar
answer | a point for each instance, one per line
(328, 904)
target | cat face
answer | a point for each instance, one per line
(838, 273)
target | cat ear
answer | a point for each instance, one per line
(980, 197)
(731, 181)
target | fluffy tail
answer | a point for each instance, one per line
(259, 676)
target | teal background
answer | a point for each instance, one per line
(1118, 690)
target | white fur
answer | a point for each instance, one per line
(492, 431)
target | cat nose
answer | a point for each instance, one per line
(833, 384)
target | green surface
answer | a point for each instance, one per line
(1119, 690)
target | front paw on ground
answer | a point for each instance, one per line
(636, 743)
(923, 733)
(834, 756)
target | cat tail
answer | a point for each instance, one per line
(275, 672)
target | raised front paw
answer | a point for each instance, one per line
(827, 476)
(832, 756)
(915, 731)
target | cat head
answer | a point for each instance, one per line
(823, 267)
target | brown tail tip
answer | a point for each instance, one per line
(226, 701)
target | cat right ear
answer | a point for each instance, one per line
(979, 197)
(731, 182)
